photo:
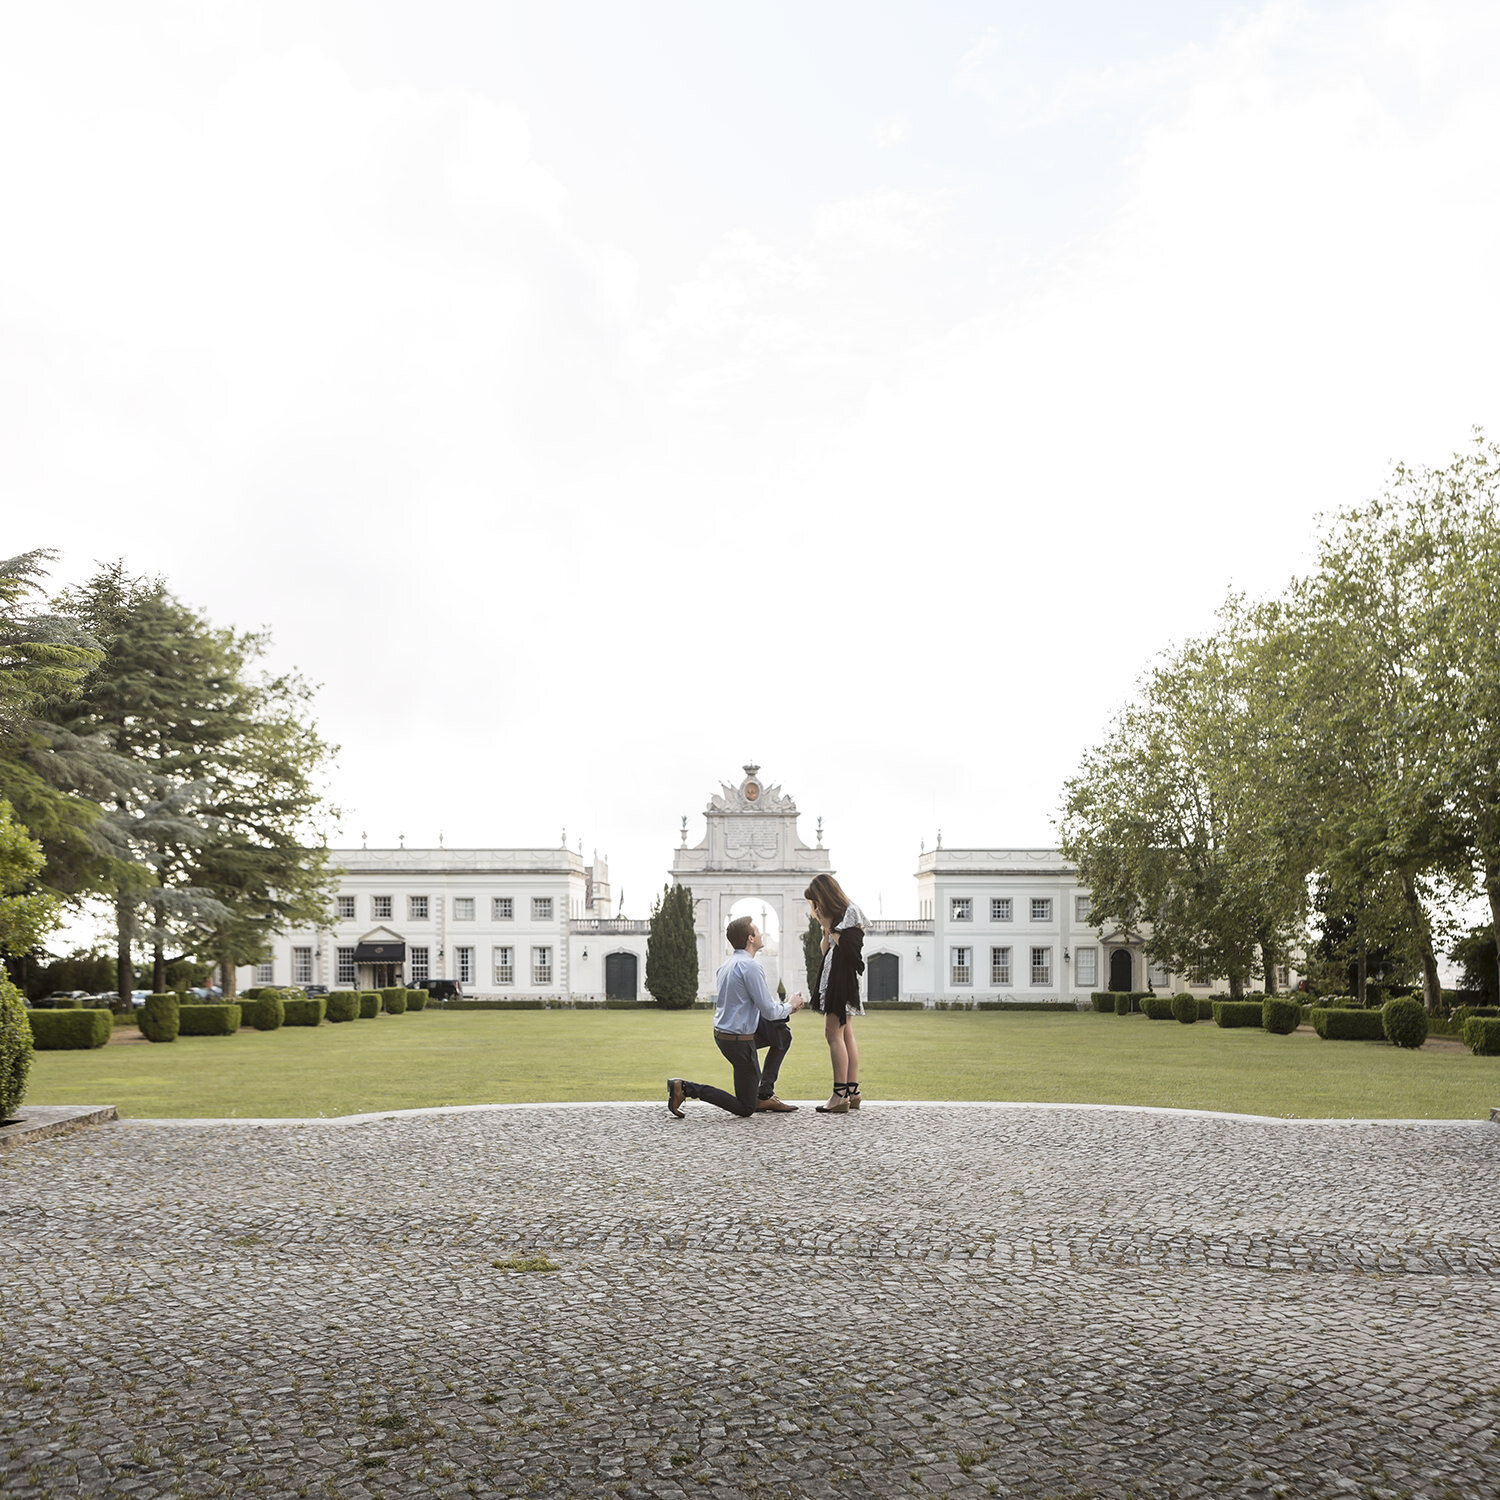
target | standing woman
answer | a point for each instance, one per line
(837, 998)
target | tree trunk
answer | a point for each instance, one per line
(124, 929)
(1236, 985)
(1362, 970)
(158, 969)
(1268, 962)
(1432, 988)
(228, 978)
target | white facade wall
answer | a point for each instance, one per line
(451, 903)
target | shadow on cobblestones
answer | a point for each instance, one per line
(1029, 1302)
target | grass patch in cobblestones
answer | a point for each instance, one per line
(477, 1057)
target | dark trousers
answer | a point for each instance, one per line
(751, 1081)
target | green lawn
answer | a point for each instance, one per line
(475, 1057)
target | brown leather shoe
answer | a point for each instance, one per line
(675, 1095)
(779, 1106)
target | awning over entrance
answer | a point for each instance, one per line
(380, 953)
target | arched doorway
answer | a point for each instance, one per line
(762, 911)
(1121, 970)
(620, 976)
(883, 980)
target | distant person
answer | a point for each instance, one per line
(746, 1016)
(837, 998)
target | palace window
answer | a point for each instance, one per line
(344, 908)
(463, 908)
(265, 973)
(541, 966)
(1199, 976)
(380, 908)
(421, 964)
(505, 965)
(416, 908)
(1041, 966)
(301, 965)
(1086, 967)
(1082, 906)
(1158, 978)
(344, 965)
(465, 964)
(1041, 908)
(541, 909)
(1000, 908)
(1000, 966)
(960, 909)
(961, 965)
(502, 909)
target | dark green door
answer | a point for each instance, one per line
(619, 976)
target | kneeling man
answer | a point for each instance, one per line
(746, 1014)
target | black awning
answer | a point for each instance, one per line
(380, 953)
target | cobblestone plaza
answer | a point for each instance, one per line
(915, 1300)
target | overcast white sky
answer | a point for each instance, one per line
(595, 396)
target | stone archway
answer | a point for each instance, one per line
(750, 852)
(1121, 970)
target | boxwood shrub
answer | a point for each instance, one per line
(305, 1012)
(1158, 1007)
(60, 1030)
(159, 1018)
(416, 999)
(16, 1047)
(369, 1004)
(268, 1012)
(1482, 1035)
(393, 1002)
(1280, 1017)
(1335, 1024)
(1103, 1001)
(1205, 1007)
(1229, 1013)
(343, 1005)
(208, 1020)
(1185, 1008)
(1404, 1021)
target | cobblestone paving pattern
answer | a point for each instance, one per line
(1033, 1301)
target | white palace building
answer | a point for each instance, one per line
(1000, 925)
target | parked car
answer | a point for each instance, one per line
(209, 992)
(314, 989)
(49, 1002)
(440, 989)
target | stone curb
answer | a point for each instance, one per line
(439, 1111)
(42, 1120)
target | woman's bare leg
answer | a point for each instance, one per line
(851, 1054)
(838, 1053)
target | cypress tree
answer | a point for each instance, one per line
(672, 950)
(812, 953)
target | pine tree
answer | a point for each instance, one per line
(672, 950)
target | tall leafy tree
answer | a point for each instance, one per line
(812, 953)
(672, 949)
(1174, 821)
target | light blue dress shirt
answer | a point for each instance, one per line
(742, 996)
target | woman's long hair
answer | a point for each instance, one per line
(828, 898)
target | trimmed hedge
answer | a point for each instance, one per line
(369, 1004)
(66, 1002)
(416, 999)
(16, 1047)
(209, 1020)
(160, 1018)
(1122, 1003)
(1404, 1021)
(1066, 1005)
(1280, 1017)
(1103, 1001)
(343, 1005)
(1334, 1024)
(1158, 1007)
(527, 1004)
(1482, 1035)
(305, 1012)
(1205, 1007)
(393, 1002)
(270, 1013)
(1229, 1013)
(63, 1030)
(1186, 1009)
